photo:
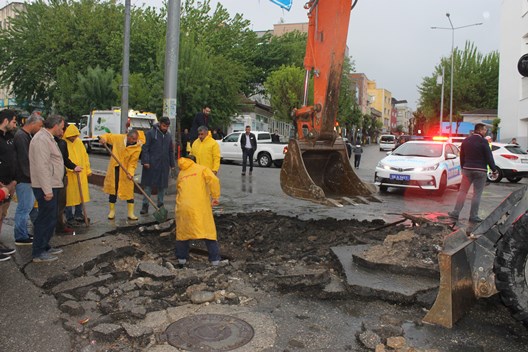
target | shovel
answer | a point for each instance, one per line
(161, 213)
(86, 221)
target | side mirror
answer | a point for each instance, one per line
(450, 156)
(389, 153)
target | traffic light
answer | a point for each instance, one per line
(522, 65)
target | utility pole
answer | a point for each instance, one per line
(172, 51)
(442, 101)
(126, 60)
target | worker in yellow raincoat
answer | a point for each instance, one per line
(206, 150)
(78, 155)
(117, 183)
(198, 191)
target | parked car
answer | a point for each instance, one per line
(406, 138)
(267, 152)
(511, 162)
(387, 142)
(426, 165)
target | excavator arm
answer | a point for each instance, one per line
(316, 166)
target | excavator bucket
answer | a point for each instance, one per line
(467, 260)
(322, 173)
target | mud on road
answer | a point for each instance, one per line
(278, 266)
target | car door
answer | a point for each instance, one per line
(454, 173)
(230, 147)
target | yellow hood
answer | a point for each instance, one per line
(71, 131)
(185, 163)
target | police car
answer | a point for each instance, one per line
(426, 165)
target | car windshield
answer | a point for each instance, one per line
(387, 139)
(428, 150)
(515, 149)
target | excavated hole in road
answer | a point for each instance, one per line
(266, 252)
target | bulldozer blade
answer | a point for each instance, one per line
(321, 173)
(455, 296)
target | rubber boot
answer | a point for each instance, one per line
(131, 215)
(144, 209)
(111, 214)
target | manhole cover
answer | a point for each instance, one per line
(209, 332)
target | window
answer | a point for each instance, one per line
(233, 137)
(263, 136)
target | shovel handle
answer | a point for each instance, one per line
(131, 177)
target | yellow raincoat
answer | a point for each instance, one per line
(207, 152)
(194, 214)
(128, 156)
(77, 154)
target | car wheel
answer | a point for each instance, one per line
(442, 185)
(264, 159)
(514, 179)
(383, 189)
(496, 179)
(278, 163)
(511, 269)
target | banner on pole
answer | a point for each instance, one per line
(285, 4)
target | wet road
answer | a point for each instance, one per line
(262, 191)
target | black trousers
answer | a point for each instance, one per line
(247, 153)
(112, 198)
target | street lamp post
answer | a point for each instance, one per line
(453, 29)
(442, 100)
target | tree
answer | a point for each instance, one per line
(286, 90)
(495, 128)
(475, 83)
(50, 43)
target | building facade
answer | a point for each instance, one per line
(360, 81)
(382, 101)
(513, 88)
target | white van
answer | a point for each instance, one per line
(387, 142)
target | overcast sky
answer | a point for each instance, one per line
(391, 41)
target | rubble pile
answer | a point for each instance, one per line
(117, 301)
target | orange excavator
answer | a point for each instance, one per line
(316, 166)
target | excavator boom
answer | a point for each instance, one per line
(317, 166)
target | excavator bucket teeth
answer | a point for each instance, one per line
(321, 173)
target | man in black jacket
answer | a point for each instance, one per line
(475, 156)
(201, 119)
(248, 143)
(24, 192)
(8, 123)
(61, 199)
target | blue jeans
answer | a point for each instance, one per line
(148, 191)
(478, 180)
(182, 249)
(26, 201)
(247, 153)
(68, 212)
(45, 222)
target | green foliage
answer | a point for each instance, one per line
(285, 88)
(50, 43)
(495, 128)
(475, 83)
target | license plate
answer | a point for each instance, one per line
(400, 177)
(524, 161)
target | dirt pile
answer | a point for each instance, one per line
(111, 303)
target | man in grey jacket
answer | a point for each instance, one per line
(46, 171)
(24, 192)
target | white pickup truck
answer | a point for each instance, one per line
(267, 152)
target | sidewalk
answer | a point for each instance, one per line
(29, 318)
